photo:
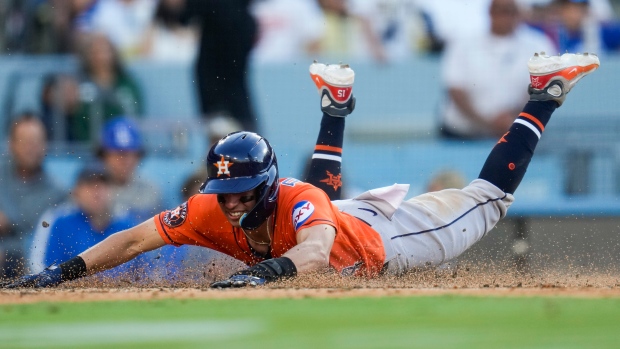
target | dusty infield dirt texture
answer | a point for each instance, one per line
(469, 281)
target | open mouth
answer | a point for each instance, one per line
(234, 216)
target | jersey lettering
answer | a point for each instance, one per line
(290, 182)
(301, 212)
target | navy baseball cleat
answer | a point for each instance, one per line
(552, 77)
(335, 85)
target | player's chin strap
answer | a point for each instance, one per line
(265, 204)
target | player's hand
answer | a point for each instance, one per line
(239, 280)
(268, 270)
(50, 277)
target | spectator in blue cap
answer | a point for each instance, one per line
(121, 149)
(577, 30)
(79, 223)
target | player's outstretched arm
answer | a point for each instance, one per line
(115, 250)
(311, 253)
(122, 247)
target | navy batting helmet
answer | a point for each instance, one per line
(240, 162)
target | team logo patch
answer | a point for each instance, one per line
(223, 166)
(333, 181)
(301, 212)
(176, 217)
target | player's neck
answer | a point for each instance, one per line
(260, 238)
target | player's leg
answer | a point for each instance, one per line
(551, 79)
(335, 84)
(448, 222)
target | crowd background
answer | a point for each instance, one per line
(180, 74)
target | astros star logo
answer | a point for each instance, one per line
(223, 166)
(503, 139)
(334, 181)
(535, 81)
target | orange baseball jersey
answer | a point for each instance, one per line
(358, 249)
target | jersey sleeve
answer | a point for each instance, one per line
(309, 206)
(190, 223)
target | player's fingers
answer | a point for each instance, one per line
(240, 283)
(221, 284)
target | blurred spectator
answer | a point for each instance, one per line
(227, 35)
(78, 224)
(60, 103)
(191, 185)
(575, 29)
(337, 28)
(289, 30)
(602, 10)
(169, 38)
(124, 22)
(446, 179)
(484, 75)
(121, 149)
(535, 11)
(220, 126)
(386, 29)
(26, 190)
(106, 89)
(37, 26)
(448, 21)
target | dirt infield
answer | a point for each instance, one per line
(464, 281)
(116, 294)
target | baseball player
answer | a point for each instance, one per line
(282, 227)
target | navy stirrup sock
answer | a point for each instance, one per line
(506, 164)
(326, 160)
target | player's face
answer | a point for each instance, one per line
(235, 205)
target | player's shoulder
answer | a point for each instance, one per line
(291, 188)
(294, 186)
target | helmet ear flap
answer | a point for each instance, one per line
(265, 203)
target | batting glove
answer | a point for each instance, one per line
(49, 277)
(266, 271)
(239, 281)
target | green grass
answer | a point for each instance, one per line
(395, 322)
